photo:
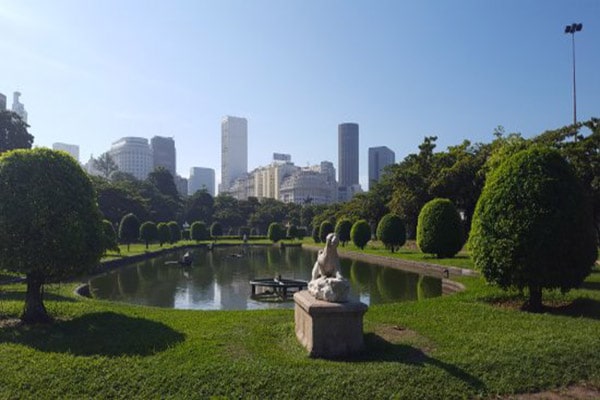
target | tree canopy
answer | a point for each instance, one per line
(13, 132)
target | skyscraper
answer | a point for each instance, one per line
(348, 154)
(201, 178)
(379, 158)
(72, 149)
(133, 156)
(2, 102)
(234, 150)
(163, 153)
(18, 107)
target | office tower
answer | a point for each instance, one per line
(163, 153)
(2, 102)
(181, 184)
(72, 149)
(379, 158)
(348, 154)
(234, 150)
(133, 156)
(18, 107)
(201, 178)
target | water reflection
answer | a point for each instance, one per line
(218, 279)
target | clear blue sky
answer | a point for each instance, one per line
(91, 72)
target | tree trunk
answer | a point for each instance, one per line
(34, 311)
(534, 304)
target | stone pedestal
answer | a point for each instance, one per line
(328, 329)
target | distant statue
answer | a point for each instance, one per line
(327, 281)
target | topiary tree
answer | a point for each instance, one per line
(292, 232)
(50, 225)
(325, 229)
(109, 237)
(174, 231)
(216, 230)
(164, 233)
(276, 232)
(360, 233)
(342, 230)
(439, 229)
(198, 231)
(391, 230)
(301, 232)
(532, 227)
(315, 234)
(148, 232)
(129, 229)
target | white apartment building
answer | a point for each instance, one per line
(313, 185)
(201, 178)
(234, 151)
(72, 149)
(133, 155)
(18, 107)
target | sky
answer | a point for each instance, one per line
(93, 71)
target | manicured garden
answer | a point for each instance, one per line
(471, 344)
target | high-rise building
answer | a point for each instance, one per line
(181, 184)
(201, 178)
(18, 107)
(234, 150)
(133, 156)
(163, 153)
(348, 154)
(2, 102)
(72, 149)
(379, 158)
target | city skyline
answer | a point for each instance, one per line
(402, 70)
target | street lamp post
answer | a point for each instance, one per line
(572, 29)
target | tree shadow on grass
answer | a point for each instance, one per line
(590, 285)
(105, 334)
(378, 349)
(20, 296)
(579, 308)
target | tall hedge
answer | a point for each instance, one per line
(342, 230)
(391, 230)
(532, 227)
(325, 229)
(439, 229)
(360, 233)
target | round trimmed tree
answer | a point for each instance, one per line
(342, 230)
(109, 239)
(129, 229)
(391, 230)
(198, 231)
(315, 234)
(174, 231)
(164, 233)
(439, 229)
(50, 225)
(325, 229)
(216, 230)
(148, 232)
(533, 226)
(360, 233)
(276, 232)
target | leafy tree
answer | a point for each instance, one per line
(109, 237)
(276, 232)
(199, 207)
(342, 230)
(301, 232)
(532, 226)
(13, 132)
(198, 231)
(244, 231)
(163, 180)
(216, 230)
(325, 229)
(315, 234)
(129, 229)
(439, 230)
(105, 164)
(227, 212)
(148, 232)
(292, 232)
(50, 225)
(391, 231)
(115, 201)
(164, 233)
(360, 233)
(174, 231)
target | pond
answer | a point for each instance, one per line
(219, 279)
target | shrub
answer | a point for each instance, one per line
(174, 231)
(292, 232)
(109, 237)
(360, 233)
(315, 234)
(164, 233)
(325, 229)
(532, 227)
(342, 230)
(439, 229)
(276, 232)
(148, 232)
(216, 230)
(391, 230)
(198, 231)
(301, 232)
(129, 229)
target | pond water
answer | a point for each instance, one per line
(219, 279)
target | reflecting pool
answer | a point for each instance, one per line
(219, 279)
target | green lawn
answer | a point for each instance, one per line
(471, 344)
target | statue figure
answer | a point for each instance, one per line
(327, 282)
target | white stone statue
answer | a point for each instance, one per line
(327, 282)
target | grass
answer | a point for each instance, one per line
(468, 345)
